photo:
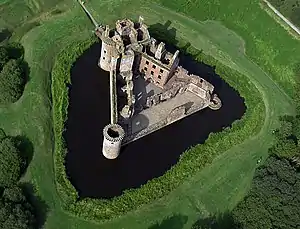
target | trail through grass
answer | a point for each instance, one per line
(213, 190)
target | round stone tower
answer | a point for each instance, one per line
(113, 135)
(106, 53)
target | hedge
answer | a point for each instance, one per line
(190, 162)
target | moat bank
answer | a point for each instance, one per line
(142, 160)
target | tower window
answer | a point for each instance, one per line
(161, 71)
(153, 66)
(152, 73)
(145, 68)
(104, 51)
(104, 58)
(159, 77)
(147, 62)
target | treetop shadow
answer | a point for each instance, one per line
(41, 209)
(26, 148)
(222, 221)
(5, 34)
(172, 222)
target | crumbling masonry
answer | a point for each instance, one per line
(156, 91)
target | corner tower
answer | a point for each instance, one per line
(113, 135)
(106, 50)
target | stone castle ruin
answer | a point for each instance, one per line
(148, 88)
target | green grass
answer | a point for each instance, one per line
(289, 8)
(271, 55)
(266, 43)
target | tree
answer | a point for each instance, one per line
(274, 198)
(14, 194)
(287, 136)
(11, 163)
(285, 148)
(286, 128)
(12, 81)
(15, 211)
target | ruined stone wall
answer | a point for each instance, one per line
(127, 61)
(197, 90)
(152, 70)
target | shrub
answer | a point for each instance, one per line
(191, 161)
(11, 82)
(11, 163)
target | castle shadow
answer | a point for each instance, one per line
(159, 31)
(149, 157)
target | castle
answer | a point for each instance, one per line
(138, 64)
(148, 88)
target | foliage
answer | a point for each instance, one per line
(274, 198)
(11, 82)
(190, 162)
(11, 163)
(287, 138)
(13, 73)
(15, 211)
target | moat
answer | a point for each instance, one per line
(95, 176)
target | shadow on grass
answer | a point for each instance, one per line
(5, 34)
(163, 31)
(223, 221)
(26, 148)
(15, 50)
(26, 71)
(40, 207)
(172, 222)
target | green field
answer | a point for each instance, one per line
(224, 29)
(289, 8)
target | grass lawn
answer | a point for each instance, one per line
(218, 187)
(289, 8)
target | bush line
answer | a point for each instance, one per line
(191, 161)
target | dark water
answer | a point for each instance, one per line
(149, 157)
